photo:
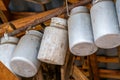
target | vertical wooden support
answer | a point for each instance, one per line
(118, 53)
(66, 70)
(94, 67)
(4, 11)
(39, 75)
(5, 74)
(78, 75)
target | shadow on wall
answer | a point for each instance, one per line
(25, 6)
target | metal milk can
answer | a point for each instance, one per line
(7, 46)
(81, 39)
(105, 24)
(54, 43)
(118, 9)
(24, 61)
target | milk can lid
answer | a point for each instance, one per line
(79, 9)
(9, 40)
(58, 22)
(34, 32)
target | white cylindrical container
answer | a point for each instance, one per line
(54, 42)
(105, 24)
(6, 50)
(81, 39)
(24, 61)
(7, 47)
(118, 9)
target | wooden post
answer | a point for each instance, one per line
(6, 74)
(94, 67)
(4, 12)
(39, 75)
(78, 75)
(66, 70)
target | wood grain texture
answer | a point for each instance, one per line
(5, 74)
(78, 75)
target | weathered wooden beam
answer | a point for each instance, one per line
(19, 15)
(94, 66)
(78, 75)
(105, 59)
(24, 23)
(6, 74)
(115, 74)
(66, 70)
(5, 13)
(73, 1)
(39, 75)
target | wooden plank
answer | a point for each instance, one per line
(109, 73)
(94, 66)
(19, 15)
(39, 75)
(66, 70)
(78, 75)
(105, 59)
(6, 74)
(73, 1)
(4, 8)
(4, 4)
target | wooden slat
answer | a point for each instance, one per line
(109, 73)
(73, 1)
(39, 75)
(5, 74)
(78, 75)
(105, 59)
(4, 8)
(19, 15)
(66, 70)
(94, 66)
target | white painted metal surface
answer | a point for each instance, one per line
(81, 39)
(105, 24)
(118, 9)
(24, 61)
(54, 42)
(7, 48)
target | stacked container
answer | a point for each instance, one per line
(24, 61)
(105, 24)
(7, 47)
(54, 42)
(81, 39)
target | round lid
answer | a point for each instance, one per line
(9, 40)
(79, 9)
(84, 49)
(34, 32)
(58, 22)
(23, 67)
(108, 41)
